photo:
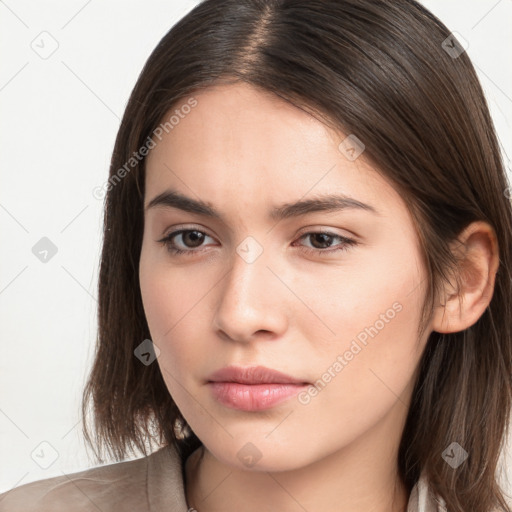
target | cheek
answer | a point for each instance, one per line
(166, 292)
(172, 301)
(365, 365)
(163, 309)
(376, 287)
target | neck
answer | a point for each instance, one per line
(360, 477)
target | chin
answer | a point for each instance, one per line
(262, 455)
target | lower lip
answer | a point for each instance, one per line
(253, 397)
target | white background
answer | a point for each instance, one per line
(59, 118)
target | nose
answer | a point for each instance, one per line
(252, 303)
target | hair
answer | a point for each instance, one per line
(378, 70)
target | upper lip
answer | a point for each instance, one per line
(252, 375)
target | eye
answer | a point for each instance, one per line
(322, 238)
(191, 239)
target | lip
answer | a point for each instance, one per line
(252, 375)
(253, 388)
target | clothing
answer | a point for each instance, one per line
(150, 484)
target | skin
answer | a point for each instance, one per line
(244, 151)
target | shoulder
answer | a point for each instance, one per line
(108, 488)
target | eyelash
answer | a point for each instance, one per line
(346, 243)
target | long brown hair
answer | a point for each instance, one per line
(390, 73)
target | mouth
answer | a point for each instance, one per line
(253, 375)
(253, 388)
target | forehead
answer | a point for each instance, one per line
(240, 144)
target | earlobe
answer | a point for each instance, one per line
(478, 254)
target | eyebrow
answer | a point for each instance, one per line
(322, 203)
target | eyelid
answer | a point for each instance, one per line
(329, 230)
(187, 227)
(346, 242)
(300, 233)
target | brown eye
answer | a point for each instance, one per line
(321, 242)
(190, 239)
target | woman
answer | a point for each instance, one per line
(305, 288)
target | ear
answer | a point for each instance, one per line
(478, 252)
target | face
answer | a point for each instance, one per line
(330, 297)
